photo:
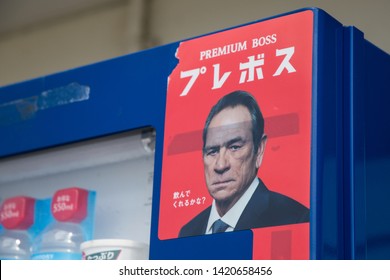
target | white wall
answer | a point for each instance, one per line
(190, 18)
(69, 42)
(110, 30)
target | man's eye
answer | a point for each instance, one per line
(235, 147)
(212, 152)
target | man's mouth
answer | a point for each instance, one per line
(222, 182)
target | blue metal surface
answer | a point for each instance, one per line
(366, 148)
(377, 152)
(326, 164)
(125, 93)
(354, 139)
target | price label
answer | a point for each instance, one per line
(17, 212)
(70, 205)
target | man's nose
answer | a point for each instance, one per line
(222, 163)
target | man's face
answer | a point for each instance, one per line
(229, 158)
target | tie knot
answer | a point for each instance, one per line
(219, 226)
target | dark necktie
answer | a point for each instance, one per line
(219, 226)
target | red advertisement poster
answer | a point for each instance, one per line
(237, 136)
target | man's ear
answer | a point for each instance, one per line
(260, 151)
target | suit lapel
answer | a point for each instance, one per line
(256, 207)
(204, 220)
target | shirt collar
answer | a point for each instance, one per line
(233, 215)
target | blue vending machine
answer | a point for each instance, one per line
(262, 141)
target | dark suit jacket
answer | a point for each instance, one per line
(265, 208)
